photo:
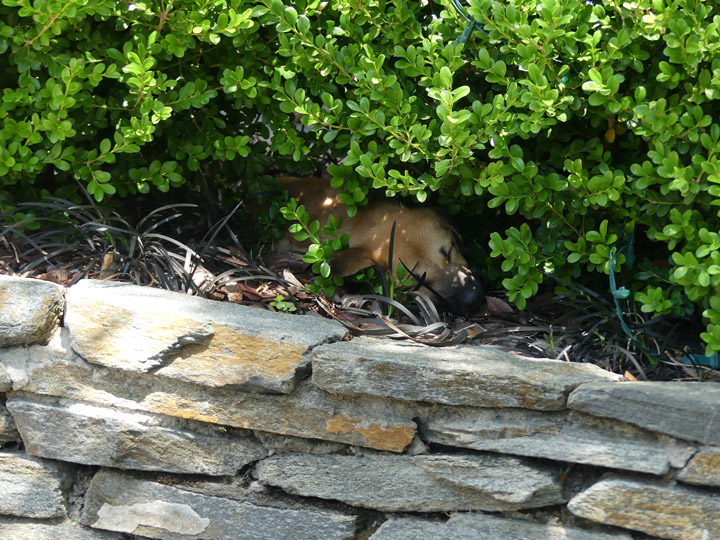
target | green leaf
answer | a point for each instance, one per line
(291, 14)
(303, 24)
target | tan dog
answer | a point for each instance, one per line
(424, 242)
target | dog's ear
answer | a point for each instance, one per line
(349, 261)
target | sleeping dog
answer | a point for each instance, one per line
(424, 241)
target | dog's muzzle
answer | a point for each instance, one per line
(463, 291)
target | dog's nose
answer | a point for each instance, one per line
(467, 292)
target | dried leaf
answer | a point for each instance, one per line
(58, 275)
(288, 276)
(498, 305)
(629, 377)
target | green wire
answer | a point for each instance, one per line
(623, 293)
(472, 24)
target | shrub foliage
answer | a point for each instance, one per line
(579, 126)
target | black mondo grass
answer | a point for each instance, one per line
(63, 241)
(91, 241)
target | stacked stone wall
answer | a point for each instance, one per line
(128, 413)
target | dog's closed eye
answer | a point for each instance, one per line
(447, 253)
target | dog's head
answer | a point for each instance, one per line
(424, 242)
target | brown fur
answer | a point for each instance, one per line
(424, 241)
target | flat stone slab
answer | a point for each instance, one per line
(481, 526)
(424, 483)
(703, 469)
(192, 339)
(122, 504)
(30, 487)
(13, 529)
(655, 509)
(561, 436)
(8, 431)
(30, 310)
(308, 413)
(463, 375)
(683, 409)
(83, 433)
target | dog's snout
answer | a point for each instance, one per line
(467, 299)
(465, 293)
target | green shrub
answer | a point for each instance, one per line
(566, 127)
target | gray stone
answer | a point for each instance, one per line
(30, 487)
(5, 381)
(703, 469)
(192, 339)
(8, 431)
(30, 311)
(17, 361)
(562, 436)
(682, 409)
(652, 508)
(463, 375)
(283, 444)
(122, 504)
(481, 526)
(14, 529)
(307, 412)
(82, 433)
(426, 483)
